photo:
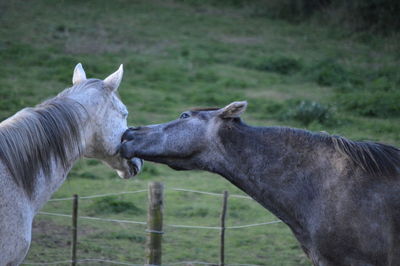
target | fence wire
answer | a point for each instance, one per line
(101, 195)
(168, 225)
(145, 190)
(93, 218)
(211, 193)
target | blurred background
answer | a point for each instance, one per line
(313, 64)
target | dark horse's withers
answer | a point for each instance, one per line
(341, 198)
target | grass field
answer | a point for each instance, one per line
(176, 55)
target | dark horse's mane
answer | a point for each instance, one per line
(375, 158)
(30, 140)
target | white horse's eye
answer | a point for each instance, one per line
(124, 115)
(184, 115)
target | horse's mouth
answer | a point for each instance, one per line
(135, 165)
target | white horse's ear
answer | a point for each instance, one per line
(232, 110)
(113, 80)
(79, 74)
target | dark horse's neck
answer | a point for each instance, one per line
(275, 166)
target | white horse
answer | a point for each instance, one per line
(38, 147)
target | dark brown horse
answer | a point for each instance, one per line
(341, 198)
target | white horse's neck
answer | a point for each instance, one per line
(46, 186)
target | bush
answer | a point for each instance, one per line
(307, 112)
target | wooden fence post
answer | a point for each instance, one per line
(223, 215)
(74, 230)
(154, 224)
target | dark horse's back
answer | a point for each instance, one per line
(359, 215)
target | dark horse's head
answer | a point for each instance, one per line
(185, 143)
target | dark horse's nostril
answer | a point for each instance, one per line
(128, 134)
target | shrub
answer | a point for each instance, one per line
(307, 112)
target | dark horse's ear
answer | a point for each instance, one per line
(232, 110)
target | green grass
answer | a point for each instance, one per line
(176, 55)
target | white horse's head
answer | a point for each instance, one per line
(107, 120)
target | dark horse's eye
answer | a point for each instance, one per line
(184, 115)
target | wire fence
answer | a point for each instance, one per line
(124, 221)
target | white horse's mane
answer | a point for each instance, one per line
(31, 139)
